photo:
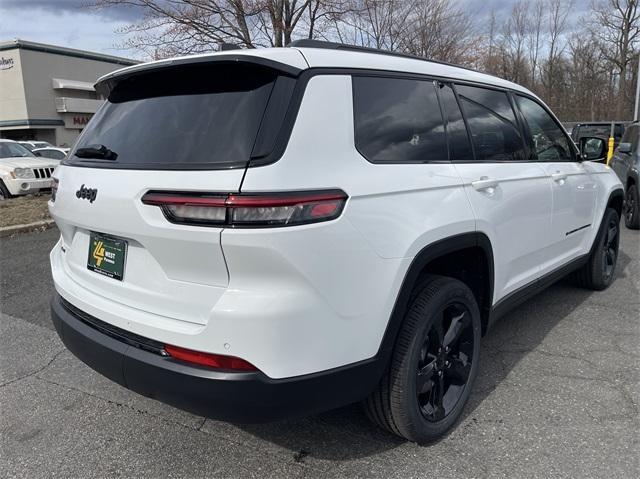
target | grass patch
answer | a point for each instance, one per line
(24, 209)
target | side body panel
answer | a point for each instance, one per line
(515, 216)
(575, 189)
(331, 288)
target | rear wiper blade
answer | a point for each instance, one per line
(99, 152)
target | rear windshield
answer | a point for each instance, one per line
(194, 116)
(598, 131)
(9, 149)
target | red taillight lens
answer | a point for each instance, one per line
(210, 360)
(261, 210)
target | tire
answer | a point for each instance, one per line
(443, 314)
(632, 208)
(4, 192)
(599, 271)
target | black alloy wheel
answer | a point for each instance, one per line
(610, 249)
(632, 208)
(599, 270)
(433, 365)
(445, 362)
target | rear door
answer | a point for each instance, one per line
(187, 129)
(575, 190)
(511, 196)
(623, 162)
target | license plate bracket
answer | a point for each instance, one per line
(107, 255)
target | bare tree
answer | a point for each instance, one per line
(438, 29)
(558, 12)
(171, 27)
(616, 23)
(373, 23)
(580, 72)
(535, 39)
(515, 35)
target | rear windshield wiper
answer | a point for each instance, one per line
(99, 152)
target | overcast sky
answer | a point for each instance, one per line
(69, 23)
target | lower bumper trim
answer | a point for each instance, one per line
(243, 397)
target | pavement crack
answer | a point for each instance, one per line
(33, 373)
(199, 428)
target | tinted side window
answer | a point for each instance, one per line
(53, 154)
(398, 120)
(459, 144)
(549, 141)
(632, 135)
(495, 132)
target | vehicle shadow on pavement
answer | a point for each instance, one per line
(346, 433)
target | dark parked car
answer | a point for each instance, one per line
(581, 132)
(626, 164)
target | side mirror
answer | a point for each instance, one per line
(37, 153)
(624, 148)
(593, 149)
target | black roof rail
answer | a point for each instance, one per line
(308, 43)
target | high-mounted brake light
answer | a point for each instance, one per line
(251, 210)
(217, 361)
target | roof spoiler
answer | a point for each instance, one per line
(105, 85)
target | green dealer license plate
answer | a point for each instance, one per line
(107, 255)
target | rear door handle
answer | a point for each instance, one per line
(559, 177)
(484, 183)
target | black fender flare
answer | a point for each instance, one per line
(616, 196)
(633, 176)
(426, 255)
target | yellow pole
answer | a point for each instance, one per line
(611, 144)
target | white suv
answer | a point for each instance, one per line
(22, 172)
(251, 235)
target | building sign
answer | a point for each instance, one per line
(76, 121)
(6, 63)
(81, 121)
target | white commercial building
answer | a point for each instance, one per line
(46, 91)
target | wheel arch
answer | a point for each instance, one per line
(615, 201)
(434, 258)
(632, 179)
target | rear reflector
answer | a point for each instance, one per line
(210, 360)
(257, 210)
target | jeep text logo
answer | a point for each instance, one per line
(6, 63)
(87, 193)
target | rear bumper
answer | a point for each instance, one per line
(245, 397)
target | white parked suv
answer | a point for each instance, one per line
(252, 235)
(22, 172)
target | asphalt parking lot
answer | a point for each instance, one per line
(558, 395)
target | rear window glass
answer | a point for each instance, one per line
(603, 131)
(398, 120)
(186, 117)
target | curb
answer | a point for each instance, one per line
(26, 228)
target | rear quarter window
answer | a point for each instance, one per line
(398, 120)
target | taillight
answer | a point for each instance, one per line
(54, 188)
(217, 361)
(250, 210)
